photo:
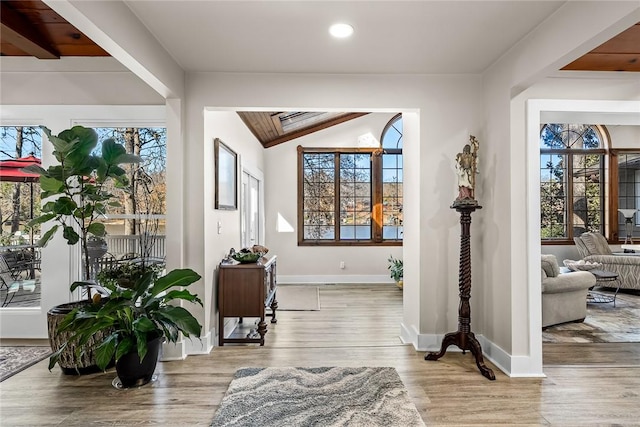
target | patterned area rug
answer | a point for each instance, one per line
(325, 397)
(604, 323)
(16, 359)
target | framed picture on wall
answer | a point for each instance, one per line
(226, 185)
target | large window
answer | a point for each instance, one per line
(352, 196)
(572, 180)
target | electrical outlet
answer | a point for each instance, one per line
(342, 264)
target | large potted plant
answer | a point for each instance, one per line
(78, 193)
(133, 321)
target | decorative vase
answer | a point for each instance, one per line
(135, 373)
(399, 283)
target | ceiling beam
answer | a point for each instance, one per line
(18, 31)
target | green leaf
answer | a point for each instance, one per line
(76, 285)
(105, 351)
(35, 169)
(64, 206)
(70, 235)
(143, 324)
(141, 343)
(81, 142)
(125, 346)
(97, 229)
(41, 219)
(47, 236)
(181, 294)
(51, 185)
(53, 359)
(178, 277)
(111, 150)
(182, 318)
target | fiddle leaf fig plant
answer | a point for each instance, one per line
(77, 186)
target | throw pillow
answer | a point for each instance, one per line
(550, 265)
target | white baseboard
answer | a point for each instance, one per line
(490, 351)
(332, 279)
(173, 351)
(187, 346)
(204, 345)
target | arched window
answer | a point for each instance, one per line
(392, 179)
(572, 180)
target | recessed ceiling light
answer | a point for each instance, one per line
(341, 31)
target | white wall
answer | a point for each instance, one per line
(72, 81)
(625, 136)
(443, 111)
(227, 126)
(304, 264)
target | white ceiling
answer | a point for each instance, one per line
(432, 37)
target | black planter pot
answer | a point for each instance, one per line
(135, 373)
(69, 362)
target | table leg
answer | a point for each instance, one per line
(262, 330)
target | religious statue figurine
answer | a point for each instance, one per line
(467, 168)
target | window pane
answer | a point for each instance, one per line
(355, 232)
(392, 232)
(317, 232)
(629, 195)
(588, 193)
(391, 161)
(392, 135)
(552, 195)
(392, 179)
(355, 194)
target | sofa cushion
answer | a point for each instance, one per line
(596, 244)
(550, 265)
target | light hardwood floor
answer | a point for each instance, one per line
(356, 326)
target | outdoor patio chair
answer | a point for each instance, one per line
(9, 286)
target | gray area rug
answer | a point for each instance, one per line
(300, 298)
(16, 359)
(604, 323)
(324, 397)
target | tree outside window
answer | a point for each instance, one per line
(19, 201)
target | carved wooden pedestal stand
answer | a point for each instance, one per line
(464, 338)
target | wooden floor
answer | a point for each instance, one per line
(356, 326)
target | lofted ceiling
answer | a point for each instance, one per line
(275, 36)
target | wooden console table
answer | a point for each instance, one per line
(246, 290)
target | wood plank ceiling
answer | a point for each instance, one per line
(31, 28)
